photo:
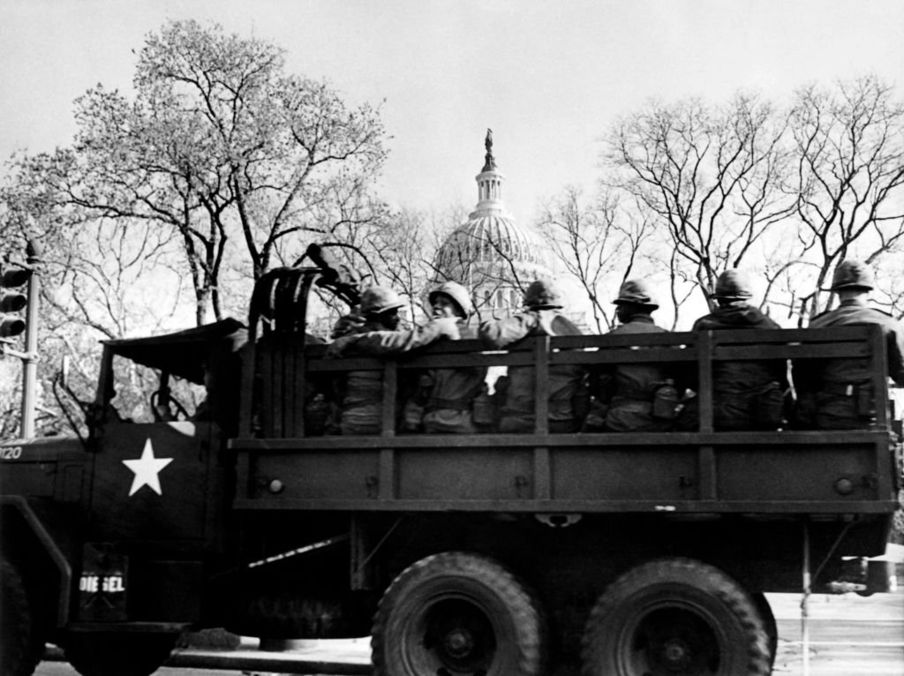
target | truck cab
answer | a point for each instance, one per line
(119, 528)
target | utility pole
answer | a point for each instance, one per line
(30, 358)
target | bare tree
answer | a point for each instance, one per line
(402, 250)
(713, 177)
(849, 147)
(599, 245)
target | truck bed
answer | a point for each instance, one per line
(823, 472)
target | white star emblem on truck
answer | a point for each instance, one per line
(147, 470)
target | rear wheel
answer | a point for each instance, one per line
(106, 654)
(762, 604)
(675, 617)
(21, 638)
(457, 614)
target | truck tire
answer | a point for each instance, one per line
(457, 613)
(117, 654)
(674, 617)
(21, 639)
(769, 624)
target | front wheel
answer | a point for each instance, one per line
(457, 613)
(105, 654)
(675, 617)
(21, 637)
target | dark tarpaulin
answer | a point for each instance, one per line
(183, 353)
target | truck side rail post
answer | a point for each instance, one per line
(706, 454)
(542, 480)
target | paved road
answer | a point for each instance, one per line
(849, 636)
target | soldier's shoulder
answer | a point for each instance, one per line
(639, 327)
(767, 322)
(883, 313)
(822, 318)
(889, 321)
(562, 325)
(705, 322)
(874, 315)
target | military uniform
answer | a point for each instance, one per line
(746, 394)
(542, 317)
(448, 409)
(841, 391)
(632, 387)
(361, 404)
(362, 400)
(449, 392)
(625, 392)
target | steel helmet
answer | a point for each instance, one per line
(543, 294)
(457, 293)
(377, 299)
(733, 285)
(852, 275)
(637, 292)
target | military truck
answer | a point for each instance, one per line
(487, 554)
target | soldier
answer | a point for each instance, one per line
(448, 408)
(746, 394)
(347, 324)
(630, 390)
(361, 405)
(540, 317)
(844, 397)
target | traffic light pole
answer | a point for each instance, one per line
(30, 358)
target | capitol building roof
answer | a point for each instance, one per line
(490, 248)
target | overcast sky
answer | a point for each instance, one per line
(548, 77)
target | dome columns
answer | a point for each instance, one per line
(489, 191)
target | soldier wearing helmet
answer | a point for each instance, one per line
(381, 306)
(541, 316)
(746, 394)
(379, 334)
(447, 409)
(840, 391)
(625, 393)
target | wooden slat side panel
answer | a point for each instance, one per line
(835, 509)
(750, 475)
(667, 442)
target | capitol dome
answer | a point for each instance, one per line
(488, 238)
(489, 253)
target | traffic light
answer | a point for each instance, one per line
(12, 301)
(20, 288)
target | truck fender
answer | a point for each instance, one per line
(15, 510)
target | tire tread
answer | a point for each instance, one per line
(21, 656)
(682, 571)
(491, 574)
